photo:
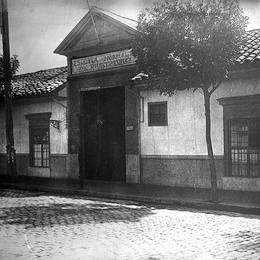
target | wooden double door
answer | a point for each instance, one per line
(103, 134)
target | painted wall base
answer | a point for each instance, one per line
(245, 184)
(182, 171)
(38, 172)
(191, 171)
(58, 166)
(73, 166)
(132, 168)
(3, 165)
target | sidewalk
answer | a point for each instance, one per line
(233, 201)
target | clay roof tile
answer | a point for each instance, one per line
(39, 82)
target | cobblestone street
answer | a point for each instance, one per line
(43, 226)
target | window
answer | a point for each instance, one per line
(157, 114)
(39, 147)
(39, 138)
(241, 135)
(244, 147)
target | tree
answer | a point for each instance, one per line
(14, 65)
(190, 45)
(14, 69)
(6, 92)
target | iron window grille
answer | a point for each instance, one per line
(244, 147)
(39, 139)
(40, 148)
(157, 114)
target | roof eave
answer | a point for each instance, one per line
(68, 39)
(124, 25)
(61, 49)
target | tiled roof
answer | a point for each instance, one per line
(39, 83)
(45, 81)
(249, 54)
(250, 49)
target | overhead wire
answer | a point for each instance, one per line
(130, 19)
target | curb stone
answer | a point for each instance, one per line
(197, 204)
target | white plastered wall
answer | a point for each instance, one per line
(58, 138)
(185, 133)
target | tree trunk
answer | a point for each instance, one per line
(212, 165)
(10, 150)
(11, 159)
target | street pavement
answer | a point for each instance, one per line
(37, 225)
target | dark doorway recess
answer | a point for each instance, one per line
(103, 134)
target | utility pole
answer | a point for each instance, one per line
(11, 160)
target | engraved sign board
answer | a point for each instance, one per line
(103, 61)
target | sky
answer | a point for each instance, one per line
(37, 27)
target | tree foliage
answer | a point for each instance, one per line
(189, 44)
(14, 64)
(14, 68)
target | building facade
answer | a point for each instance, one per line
(175, 153)
(40, 124)
(130, 134)
(115, 129)
(103, 127)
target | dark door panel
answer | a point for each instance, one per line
(104, 134)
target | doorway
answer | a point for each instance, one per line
(104, 134)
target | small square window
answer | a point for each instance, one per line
(157, 114)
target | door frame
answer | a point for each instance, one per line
(84, 128)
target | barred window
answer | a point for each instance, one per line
(244, 147)
(40, 147)
(39, 138)
(157, 114)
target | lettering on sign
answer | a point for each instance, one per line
(103, 61)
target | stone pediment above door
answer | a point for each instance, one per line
(107, 33)
(97, 28)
